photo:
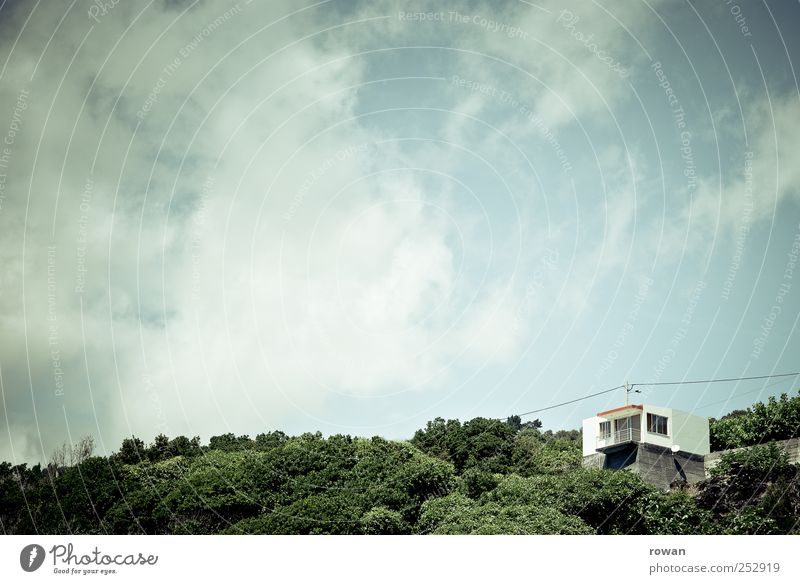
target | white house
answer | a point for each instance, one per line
(613, 429)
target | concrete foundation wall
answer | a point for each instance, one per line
(655, 464)
(660, 467)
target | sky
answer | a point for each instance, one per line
(354, 217)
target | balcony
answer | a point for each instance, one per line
(619, 437)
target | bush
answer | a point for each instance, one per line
(749, 521)
(609, 501)
(479, 442)
(676, 514)
(383, 521)
(778, 419)
(435, 511)
(555, 456)
(474, 482)
(753, 489)
(760, 462)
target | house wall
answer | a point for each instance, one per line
(658, 439)
(591, 426)
(691, 433)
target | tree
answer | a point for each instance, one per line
(270, 440)
(132, 451)
(474, 482)
(457, 514)
(676, 513)
(183, 446)
(534, 453)
(758, 483)
(59, 460)
(515, 422)
(159, 449)
(608, 501)
(83, 449)
(67, 455)
(480, 442)
(230, 443)
(777, 419)
(383, 521)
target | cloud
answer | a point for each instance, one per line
(223, 254)
(234, 218)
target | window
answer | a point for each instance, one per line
(656, 424)
(605, 429)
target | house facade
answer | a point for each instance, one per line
(660, 443)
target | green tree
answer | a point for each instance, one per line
(777, 419)
(676, 513)
(756, 483)
(230, 442)
(132, 451)
(270, 440)
(457, 514)
(383, 521)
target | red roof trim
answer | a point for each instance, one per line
(619, 410)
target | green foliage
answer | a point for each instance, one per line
(676, 513)
(749, 521)
(778, 419)
(516, 423)
(230, 443)
(474, 482)
(573, 436)
(753, 490)
(535, 453)
(457, 514)
(217, 490)
(758, 462)
(478, 477)
(478, 442)
(163, 448)
(435, 511)
(781, 502)
(132, 451)
(608, 501)
(270, 440)
(383, 521)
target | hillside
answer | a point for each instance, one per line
(477, 477)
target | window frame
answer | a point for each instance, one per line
(653, 424)
(603, 434)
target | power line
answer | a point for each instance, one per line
(632, 385)
(738, 395)
(717, 380)
(569, 402)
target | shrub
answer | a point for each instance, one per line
(778, 419)
(383, 521)
(676, 513)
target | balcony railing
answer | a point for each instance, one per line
(619, 437)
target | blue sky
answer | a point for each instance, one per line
(355, 217)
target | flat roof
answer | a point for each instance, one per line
(601, 414)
